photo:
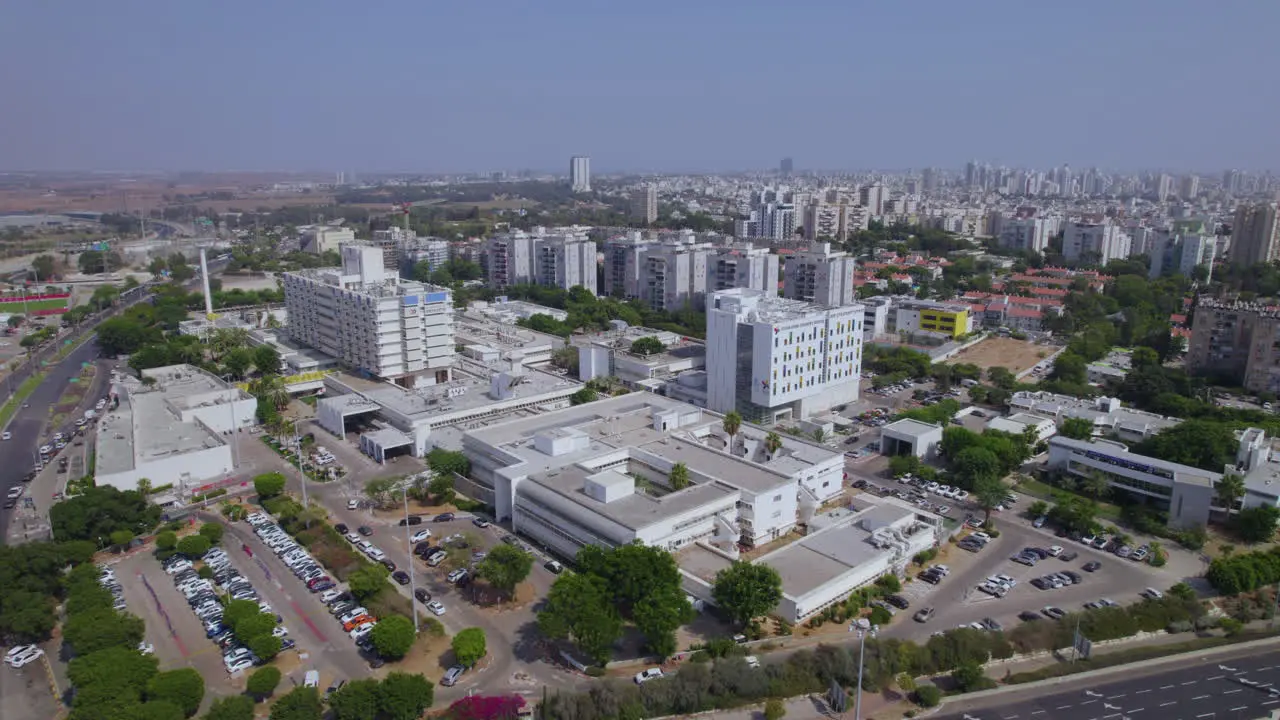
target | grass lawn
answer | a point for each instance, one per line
(1035, 488)
(20, 395)
(33, 305)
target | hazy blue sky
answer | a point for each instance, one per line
(429, 85)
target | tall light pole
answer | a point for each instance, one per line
(863, 632)
(413, 585)
(302, 475)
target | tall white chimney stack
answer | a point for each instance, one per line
(204, 275)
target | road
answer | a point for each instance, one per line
(17, 455)
(1225, 687)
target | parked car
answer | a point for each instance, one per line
(411, 520)
(648, 674)
(1091, 566)
(1053, 613)
(400, 577)
(443, 517)
(923, 614)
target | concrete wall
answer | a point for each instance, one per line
(194, 468)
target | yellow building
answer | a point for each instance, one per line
(951, 319)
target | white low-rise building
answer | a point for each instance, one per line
(173, 428)
(1018, 423)
(544, 474)
(1106, 414)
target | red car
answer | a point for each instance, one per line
(247, 550)
(317, 581)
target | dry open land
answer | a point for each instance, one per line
(1016, 355)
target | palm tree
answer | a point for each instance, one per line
(679, 476)
(1096, 485)
(144, 487)
(1229, 490)
(819, 435)
(271, 388)
(772, 442)
(732, 424)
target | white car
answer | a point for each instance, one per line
(1055, 550)
(420, 536)
(648, 674)
(436, 607)
(353, 614)
(20, 655)
(238, 664)
(353, 504)
(6, 436)
(146, 648)
(328, 595)
(280, 631)
(46, 449)
(362, 630)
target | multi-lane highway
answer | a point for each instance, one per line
(17, 454)
(1230, 686)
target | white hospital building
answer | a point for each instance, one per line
(772, 358)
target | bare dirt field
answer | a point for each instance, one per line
(1016, 355)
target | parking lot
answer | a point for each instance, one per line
(26, 691)
(958, 601)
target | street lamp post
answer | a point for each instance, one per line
(297, 444)
(413, 584)
(862, 649)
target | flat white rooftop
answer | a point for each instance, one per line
(146, 426)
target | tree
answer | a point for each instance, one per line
(745, 590)
(357, 700)
(121, 538)
(732, 424)
(900, 465)
(157, 266)
(265, 647)
(1144, 357)
(505, 567)
(99, 511)
(238, 361)
(441, 488)
(45, 267)
(1037, 508)
(468, 646)
(94, 262)
(583, 396)
(268, 485)
(300, 703)
(774, 709)
(1257, 524)
(393, 636)
(183, 687)
(194, 546)
(1206, 444)
(970, 677)
(988, 493)
(121, 667)
(1069, 368)
(237, 611)
(772, 442)
(1229, 490)
(1001, 377)
(404, 696)
(679, 476)
(659, 616)
(263, 681)
(1095, 485)
(213, 531)
(252, 624)
(266, 359)
(928, 695)
(1076, 429)
(368, 580)
(101, 628)
(144, 487)
(646, 346)
(580, 607)
(234, 707)
(449, 462)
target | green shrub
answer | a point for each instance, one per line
(928, 696)
(595, 671)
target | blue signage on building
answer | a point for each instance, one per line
(410, 300)
(437, 297)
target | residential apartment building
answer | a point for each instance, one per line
(820, 275)
(644, 204)
(1178, 252)
(371, 319)
(1025, 234)
(580, 173)
(1094, 242)
(673, 270)
(564, 258)
(1239, 341)
(742, 265)
(774, 358)
(1255, 234)
(823, 220)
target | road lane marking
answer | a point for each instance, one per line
(1041, 712)
(1205, 715)
(1113, 697)
(1189, 682)
(1271, 702)
(1086, 702)
(1063, 707)
(1165, 687)
(1242, 707)
(1175, 702)
(1142, 691)
(1216, 677)
(1136, 710)
(1199, 697)
(1228, 692)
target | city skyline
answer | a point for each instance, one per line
(236, 92)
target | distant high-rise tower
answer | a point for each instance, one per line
(1190, 187)
(787, 166)
(1255, 234)
(644, 204)
(929, 179)
(580, 173)
(971, 173)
